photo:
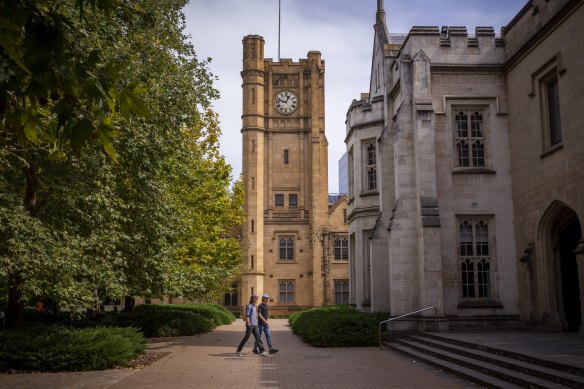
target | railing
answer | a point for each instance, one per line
(402, 316)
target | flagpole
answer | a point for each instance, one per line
(279, 22)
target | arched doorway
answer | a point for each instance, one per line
(566, 233)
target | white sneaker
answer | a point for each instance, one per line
(265, 354)
(239, 353)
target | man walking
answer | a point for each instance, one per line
(251, 327)
(263, 324)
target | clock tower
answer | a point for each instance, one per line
(286, 178)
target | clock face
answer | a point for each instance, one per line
(285, 102)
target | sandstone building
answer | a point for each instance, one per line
(295, 246)
(466, 172)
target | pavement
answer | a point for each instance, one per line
(209, 361)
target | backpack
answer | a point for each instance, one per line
(243, 311)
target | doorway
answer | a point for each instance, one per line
(568, 236)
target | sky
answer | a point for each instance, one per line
(342, 30)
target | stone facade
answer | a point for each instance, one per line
(544, 47)
(446, 170)
(289, 224)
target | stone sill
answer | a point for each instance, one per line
(480, 303)
(473, 170)
(552, 150)
(371, 192)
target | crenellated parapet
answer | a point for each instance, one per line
(453, 44)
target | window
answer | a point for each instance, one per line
(232, 298)
(474, 256)
(341, 291)
(344, 215)
(279, 200)
(253, 182)
(286, 292)
(286, 248)
(293, 201)
(252, 226)
(351, 175)
(253, 146)
(553, 110)
(341, 244)
(371, 167)
(252, 262)
(470, 138)
(285, 157)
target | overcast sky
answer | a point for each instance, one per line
(342, 30)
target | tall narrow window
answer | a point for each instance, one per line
(475, 259)
(253, 182)
(351, 175)
(279, 200)
(232, 297)
(470, 138)
(253, 146)
(341, 248)
(252, 262)
(286, 248)
(252, 226)
(293, 201)
(285, 157)
(371, 167)
(253, 96)
(286, 291)
(344, 215)
(341, 291)
(553, 107)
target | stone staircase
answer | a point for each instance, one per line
(488, 366)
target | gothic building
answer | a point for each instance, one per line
(295, 245)
(466, 176)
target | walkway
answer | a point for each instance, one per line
(209, 361)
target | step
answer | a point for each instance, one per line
(548, 373)
(522, 357)
(509, 375)
(471, 375)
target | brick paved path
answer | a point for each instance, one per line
(209, 361)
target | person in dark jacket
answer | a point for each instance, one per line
(263, 326)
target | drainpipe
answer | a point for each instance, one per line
(325, 267)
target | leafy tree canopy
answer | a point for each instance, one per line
(157, 214)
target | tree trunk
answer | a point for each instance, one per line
(14, 308)
(129, 303)
(30, 194)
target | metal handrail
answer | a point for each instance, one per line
(402, 316)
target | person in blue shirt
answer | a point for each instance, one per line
(251, 327)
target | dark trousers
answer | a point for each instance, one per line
(258, 342)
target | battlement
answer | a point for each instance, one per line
(450, 35)
(304, 62)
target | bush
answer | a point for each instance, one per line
(337, 326)
(156, 323)
(218, 314)
(58, 348)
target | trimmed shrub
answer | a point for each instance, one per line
(337, 326)
(218, 314)
(58, 348)
(156, 323)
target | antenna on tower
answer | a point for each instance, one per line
(279, 22)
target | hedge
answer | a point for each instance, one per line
(218, 314)
(337, 326)
(58, 348)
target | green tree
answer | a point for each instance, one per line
(77, 226)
